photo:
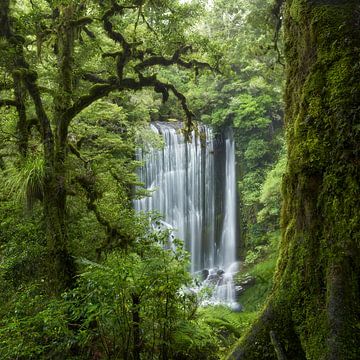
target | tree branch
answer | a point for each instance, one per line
(8, 102)
(47, 135)
(174, 60)
(108, 26)
(29, 78)
(88, 183)
(93, 78)
(96, 92)
(81, 22)
(72, 148)
(89, 33)
(160, 60)
(148, 25)
(103, 87)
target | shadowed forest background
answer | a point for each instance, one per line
(85, 276)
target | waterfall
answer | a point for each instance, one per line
(228, 236)
(193, 186)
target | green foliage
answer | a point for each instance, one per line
(227, 325)
(261, 266)
(247, 96)
(22, 248)
(129, 297)
(25, 182)
(194, 340)
(146, 284)
(35, 328)
(270, 196)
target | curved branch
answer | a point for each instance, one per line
(148, 25)
(88, 184)
(89, 33)
(108, 26)
(103, 87)
(47, 135)
(97, 92)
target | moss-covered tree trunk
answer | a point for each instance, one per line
(55, 189)
(60, 265)
(314, 309)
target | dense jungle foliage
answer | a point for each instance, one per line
(83, 276)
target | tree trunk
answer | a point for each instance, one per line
(55, 189)
(61, 265)
(136, 331)
(314, 309)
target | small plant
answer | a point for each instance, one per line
(26, 181)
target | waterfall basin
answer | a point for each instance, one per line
(216, 287)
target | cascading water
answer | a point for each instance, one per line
(193, 187)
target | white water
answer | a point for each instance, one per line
(194, 189)
(228, 235)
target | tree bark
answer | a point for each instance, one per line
(314, 308)
(61, 265)
(135, 310)
(55, 190)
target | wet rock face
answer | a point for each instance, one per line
(244, 284)
(204, 274)
(220, 272)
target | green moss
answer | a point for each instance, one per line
(297, 10)
(254, 298)
(316, 291)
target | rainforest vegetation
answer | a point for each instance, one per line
(85, 276)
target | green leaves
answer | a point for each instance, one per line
(271, 196)
(154, 276)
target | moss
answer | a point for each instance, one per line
(314, 307)
(297, 10)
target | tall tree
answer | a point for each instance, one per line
(92, 49)
(314, 309)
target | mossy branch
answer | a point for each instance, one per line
(89, 33)
(103, 87)
(95, 79)
(174, 60)
(76, 152)
(29, 78)
(46, 131)
(8, 102)
(108, 26)
(96, 92)
(81, 22)
(88, 184)
(114, 54)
